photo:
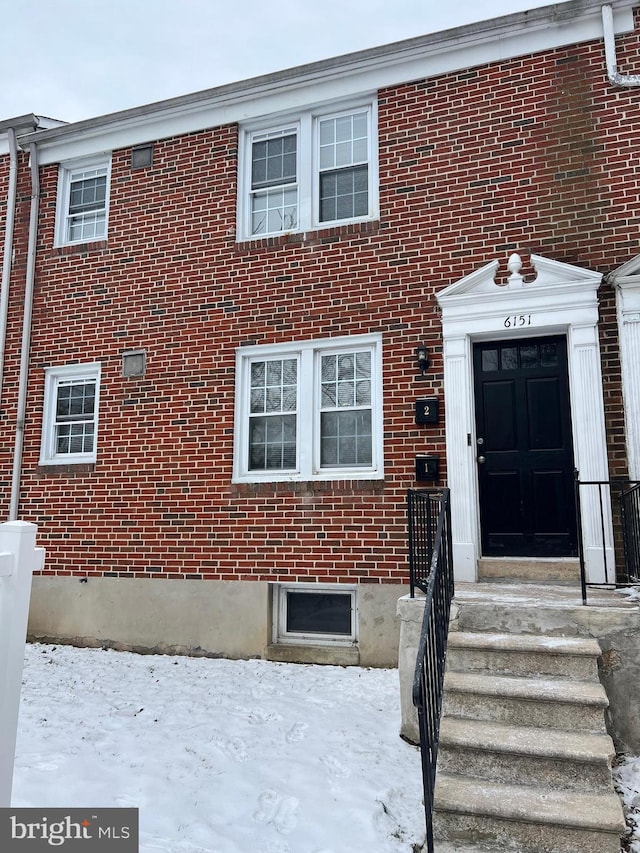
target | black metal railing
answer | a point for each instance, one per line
(630, 514)
(423, 508)
(615, 505)
(432, 648)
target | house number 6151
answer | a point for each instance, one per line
(517, 320)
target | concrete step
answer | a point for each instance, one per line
(539, 702)
(525, 819)
(536, 609)
(523, 654)
(568, 760)
(545, 571)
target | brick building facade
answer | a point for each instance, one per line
(228, 291)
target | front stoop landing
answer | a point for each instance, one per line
(524, 759)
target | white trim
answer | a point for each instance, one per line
(351, 75)
(66, 173)
(626, 280)
(280, 633)
(53, 376)
(561, 300)
(307, 423)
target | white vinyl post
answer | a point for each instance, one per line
(18, 559)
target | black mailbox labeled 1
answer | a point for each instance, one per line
(427, 467)
(427, 411)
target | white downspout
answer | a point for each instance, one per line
(26, 334)
(7, 257)
(615, 77)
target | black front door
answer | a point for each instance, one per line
(524, 450)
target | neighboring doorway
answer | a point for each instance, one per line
(524, 448)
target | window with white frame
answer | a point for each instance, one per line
(309, 410)
(70, 414)
(311, 613)
(316, 170)
(83, 201)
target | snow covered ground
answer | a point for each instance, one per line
(229, 756)
(221, 756)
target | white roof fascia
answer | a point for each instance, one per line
(19, 123)
(347, 76)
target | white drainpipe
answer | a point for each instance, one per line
(26, 334)
(615, 77)
(7, 257)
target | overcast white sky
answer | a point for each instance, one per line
(73, 59)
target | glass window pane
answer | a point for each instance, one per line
(343, 154)
(274, 211)
(319, 613)
(344, 129)
(363, 364)
(360, 151)
(329, 394)
(327, 132)
(274, 399)
(274, 372)
(272, 444)
(360, 129)
(549, 355)
(346, 439)
(273, 161)
(344, 193)
(509, 358)
(363, 393)
(328, 367)
(346, 395)
(257, 400)
(489, 359)
(529, 356)
(346, 366)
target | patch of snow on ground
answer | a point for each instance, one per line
(626, 779)
(221, 756)
(632, 592)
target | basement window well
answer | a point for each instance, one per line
(314, 614)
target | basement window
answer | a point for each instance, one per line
(309, 613)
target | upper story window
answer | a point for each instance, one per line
(83, 201)
(317, 169)
(70, 414)
(309, 411)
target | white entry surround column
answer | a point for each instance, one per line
(560, 299)
(626, 280)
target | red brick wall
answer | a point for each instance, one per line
(535, 155)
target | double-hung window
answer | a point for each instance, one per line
(83, 201)
(309, 410)
(316, 170)
(70, 415)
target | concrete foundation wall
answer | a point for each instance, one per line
(218, 618)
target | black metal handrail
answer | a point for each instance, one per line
(423, 508)
(432, 650)
(622, 498)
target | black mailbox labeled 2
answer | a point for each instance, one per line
(427, 467)
(427, 411)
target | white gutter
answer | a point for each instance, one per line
(8, 246)
(615, 78)
(26, 335)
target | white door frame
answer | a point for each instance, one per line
(561, 299)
